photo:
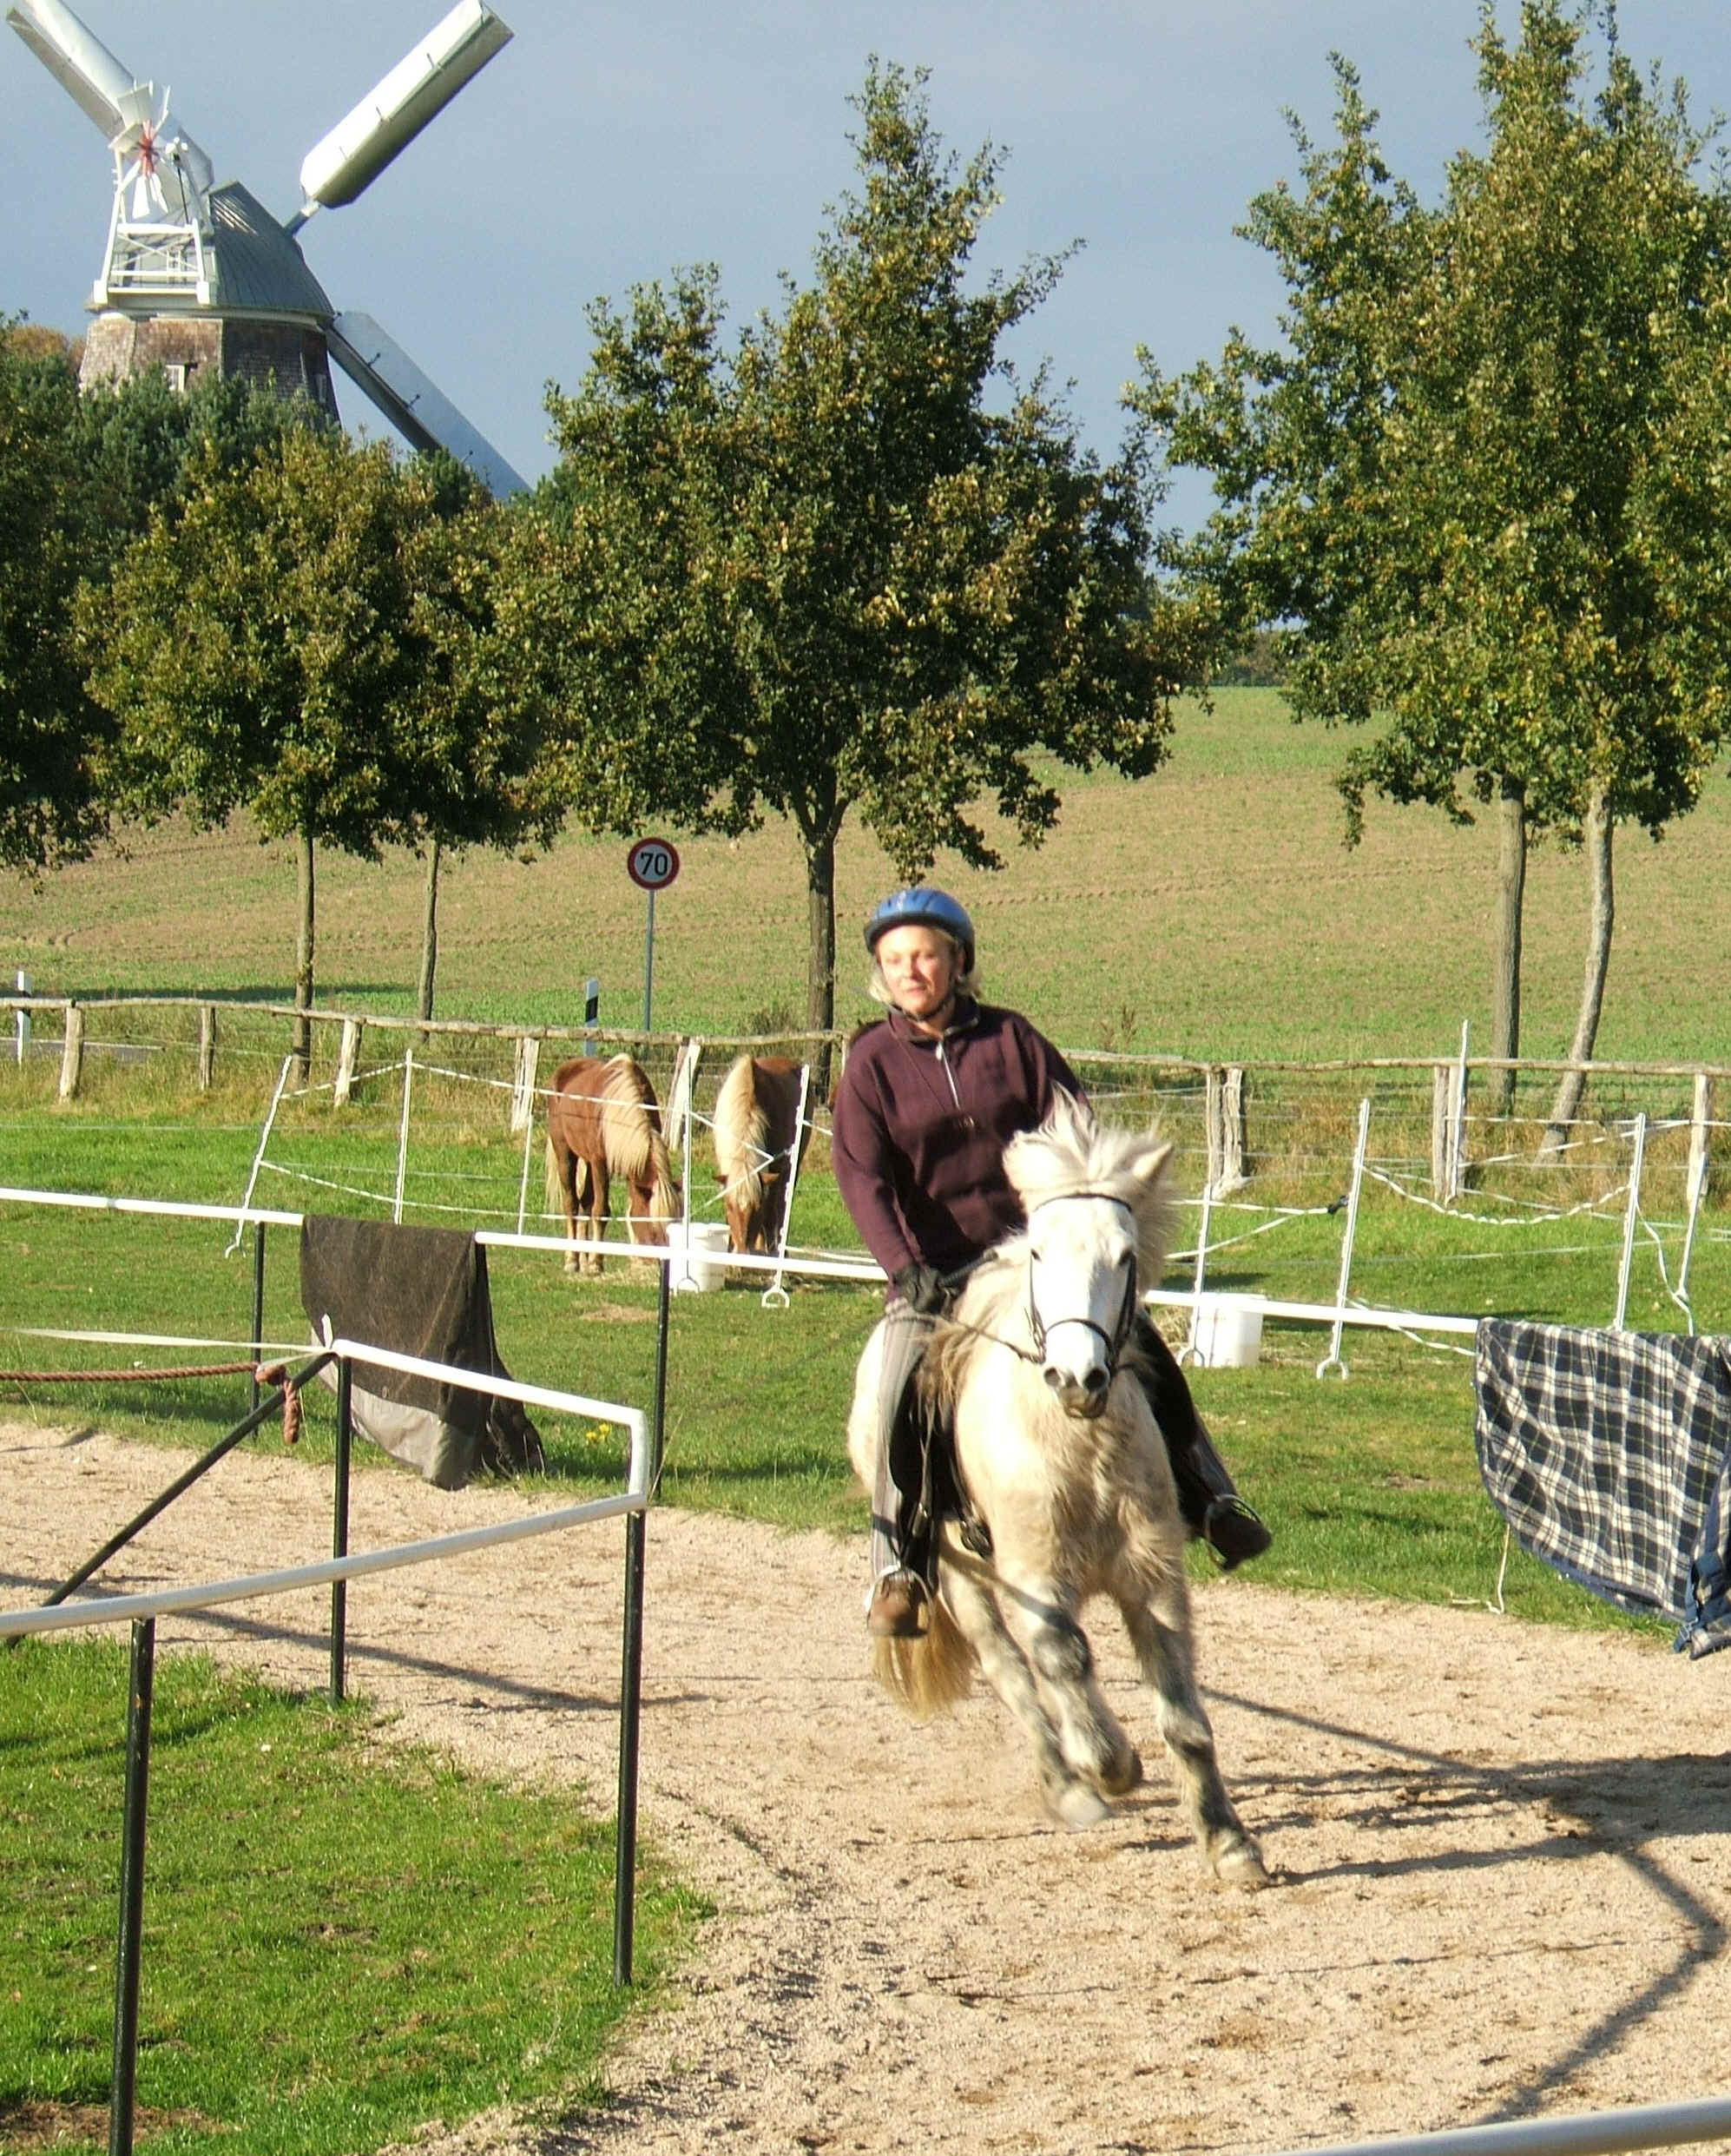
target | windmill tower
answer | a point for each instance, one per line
(199, 276)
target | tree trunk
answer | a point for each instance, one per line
(303, 956)
(820, 950)
(1595, 839)
(424, 994)
(1505, 954)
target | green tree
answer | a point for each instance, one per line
(821, 574)
(50, 800)
(309, 637)
(1472, 484)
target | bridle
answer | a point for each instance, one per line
(1113, 1341)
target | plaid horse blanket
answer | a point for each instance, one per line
(1608, 1453)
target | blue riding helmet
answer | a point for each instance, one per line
(921, 906)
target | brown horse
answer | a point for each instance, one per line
(755, 1112)
(604, 1120)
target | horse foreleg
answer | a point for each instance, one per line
(1162, 1649)
(976, 1611)
(595, 1198)
(1040, 1617)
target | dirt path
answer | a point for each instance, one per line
(1502, 1854)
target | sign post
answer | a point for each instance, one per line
(652, 864)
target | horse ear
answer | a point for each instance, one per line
(1148, 1167)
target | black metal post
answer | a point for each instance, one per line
(631, 1670)
(122, 2087)
(339, 1525)
(258, 1303)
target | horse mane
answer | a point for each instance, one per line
(741, 1135)
(1069, 1154)
(631, 1129)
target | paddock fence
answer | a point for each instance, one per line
(141, 1611)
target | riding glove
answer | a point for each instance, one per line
(921, 1287)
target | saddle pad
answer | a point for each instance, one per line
(1607, 1453)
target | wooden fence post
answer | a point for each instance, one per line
(1700, 1133)
(348, 1055)
(522, 1083)
(72, 1054)
(206, 1046)
(1224, 1096)
(1441, 1124)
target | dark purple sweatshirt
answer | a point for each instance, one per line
(919, 1128)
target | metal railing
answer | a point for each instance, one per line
(141, 1611)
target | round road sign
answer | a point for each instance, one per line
(652, 863)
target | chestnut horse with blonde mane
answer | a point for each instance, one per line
(604, 1120)
(755, 1112)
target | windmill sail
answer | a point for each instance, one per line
(393, 113)
(414, 405)
(77, 59)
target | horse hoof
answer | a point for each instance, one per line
(1123, 1776)
(1242, 1866)
(572, 1266)
(1078, 1808)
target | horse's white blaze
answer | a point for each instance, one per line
(1082, 1267)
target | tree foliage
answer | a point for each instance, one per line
(849, 566)
(1483, 484)
(50, 803)
(313, 635)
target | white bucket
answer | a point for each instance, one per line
(693, 1274)
(1229, 1332)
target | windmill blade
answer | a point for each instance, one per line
(393, 113)
(77, 59)
(414, 405)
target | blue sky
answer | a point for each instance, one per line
(607, 144)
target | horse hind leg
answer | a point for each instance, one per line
(1163, 1653)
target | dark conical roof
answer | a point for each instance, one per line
(253, 263)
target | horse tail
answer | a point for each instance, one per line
(931, 1674)
(553, 1186)
(741, 1135)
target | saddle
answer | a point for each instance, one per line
(930, 1486)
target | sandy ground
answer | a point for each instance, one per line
(1503, 1877)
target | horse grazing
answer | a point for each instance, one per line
(755, 1112)
(604, 1120)
(1060, 1458)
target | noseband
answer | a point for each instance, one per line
(1114, 1341)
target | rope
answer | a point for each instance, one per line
(268, 1374)
(126, 1377)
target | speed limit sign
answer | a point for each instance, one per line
(652, 864)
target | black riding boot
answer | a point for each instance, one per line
(1211, 1506)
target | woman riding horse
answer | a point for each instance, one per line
(929, 1097)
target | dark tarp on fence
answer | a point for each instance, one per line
(1608, 1453)
(418, 1291)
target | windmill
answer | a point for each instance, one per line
(197, 275)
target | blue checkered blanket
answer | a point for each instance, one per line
(1609, 1454)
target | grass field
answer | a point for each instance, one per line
(1210, 911)
(298, 1873)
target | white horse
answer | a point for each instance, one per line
(1060, 1458)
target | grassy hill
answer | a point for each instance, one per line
(1209, 911)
